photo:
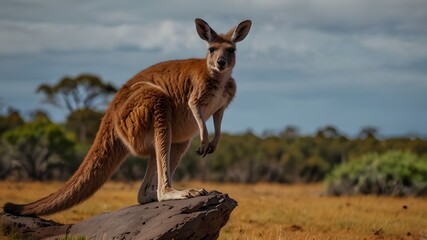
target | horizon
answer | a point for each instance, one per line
(27, 116)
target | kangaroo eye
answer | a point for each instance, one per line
(231, 50)
(212, 49)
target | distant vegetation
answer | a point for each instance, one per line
(277, 158)
(396, 173)
(35, 148)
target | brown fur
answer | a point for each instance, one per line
(155, 113)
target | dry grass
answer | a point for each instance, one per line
(267, 211)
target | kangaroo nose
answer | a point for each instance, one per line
(221, 62)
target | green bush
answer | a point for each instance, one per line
(396, 173)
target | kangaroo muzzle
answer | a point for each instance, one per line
(221, 63)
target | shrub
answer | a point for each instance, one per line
(396, 173)
(38, 147)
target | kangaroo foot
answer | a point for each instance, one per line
(173, 194)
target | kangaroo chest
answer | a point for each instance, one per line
(214, 98)
(216, 102)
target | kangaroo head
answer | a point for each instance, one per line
(221, 55)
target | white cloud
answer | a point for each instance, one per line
(397, 45)
(334, 13)
(26, 37)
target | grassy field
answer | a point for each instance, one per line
(267, 211)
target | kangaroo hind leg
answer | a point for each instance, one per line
(162, 142)
(148, 190)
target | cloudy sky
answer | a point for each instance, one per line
(307, 63)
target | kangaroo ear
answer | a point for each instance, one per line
(240, 31)
(204, 30)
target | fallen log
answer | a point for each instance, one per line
(195, 218)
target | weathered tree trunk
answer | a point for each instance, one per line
(195, 218)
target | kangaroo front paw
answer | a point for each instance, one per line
(206, 149)
(172, 194)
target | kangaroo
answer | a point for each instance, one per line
(156, 113)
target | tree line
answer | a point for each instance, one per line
(36, 148)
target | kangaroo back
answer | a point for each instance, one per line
(103, 158)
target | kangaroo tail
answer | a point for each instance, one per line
(103, 158)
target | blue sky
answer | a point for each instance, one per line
(309, 63)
